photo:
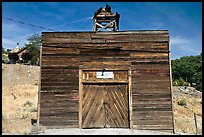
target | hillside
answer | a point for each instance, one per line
(184, 115)
(20, 95)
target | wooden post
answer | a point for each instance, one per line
(39, 91)
(173, 120)
(105, 16)
(115, 26)
(80, 98)
(130, 97)
(94, 27)
(196, 125)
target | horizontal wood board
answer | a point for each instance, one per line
(145, 52)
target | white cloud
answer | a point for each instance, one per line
(7, 43)
(71, 22)
(11, 28)
(14, 29)
(178, 40)
(12, 43)
(13, 33)
(181, 46)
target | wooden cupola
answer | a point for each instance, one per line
(105, 20)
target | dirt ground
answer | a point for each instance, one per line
(20, 96)
(184, 115)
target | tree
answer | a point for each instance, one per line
(34, 48)
(26, 57)
(34, 40)
(188, 68)
(5, 51)
(13, 57)
(8, 50)
(35, 54)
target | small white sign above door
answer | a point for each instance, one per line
(104, 74)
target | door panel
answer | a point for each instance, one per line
(116, 106)
(105, 105)
(92, 106)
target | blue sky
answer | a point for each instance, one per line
(182, 19)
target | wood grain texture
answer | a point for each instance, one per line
(144, 53)
(105, 106)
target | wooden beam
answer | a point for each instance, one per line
(111, 24)
(104, 81)
(100, 69)
(94, 27)
(80, 98)
(105, 20)
(130, 98)
(39, 90)
(99, 25)
(170, 73)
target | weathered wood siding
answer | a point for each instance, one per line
(145, 52)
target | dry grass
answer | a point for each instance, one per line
(184, 115)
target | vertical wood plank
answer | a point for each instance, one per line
(170, 77)
(130, 98)
(94, 27)
(39, 90)
(80, 98)
(116, 102)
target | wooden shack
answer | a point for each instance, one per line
(106, 80)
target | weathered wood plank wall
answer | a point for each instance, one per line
(146, 52)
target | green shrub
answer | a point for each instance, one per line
(26, 57)
(13, 57)
(180, 82)
(199, 87)
(182, 102)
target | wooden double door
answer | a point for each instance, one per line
(105, 105)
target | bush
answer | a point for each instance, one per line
(199, 87)
(26, 57)
(182, 102)
(180, 82)
(20, 61)
(13, 57)
(28, 103)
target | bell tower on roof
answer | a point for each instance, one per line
(105, 20)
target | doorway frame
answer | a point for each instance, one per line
(129, 93)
